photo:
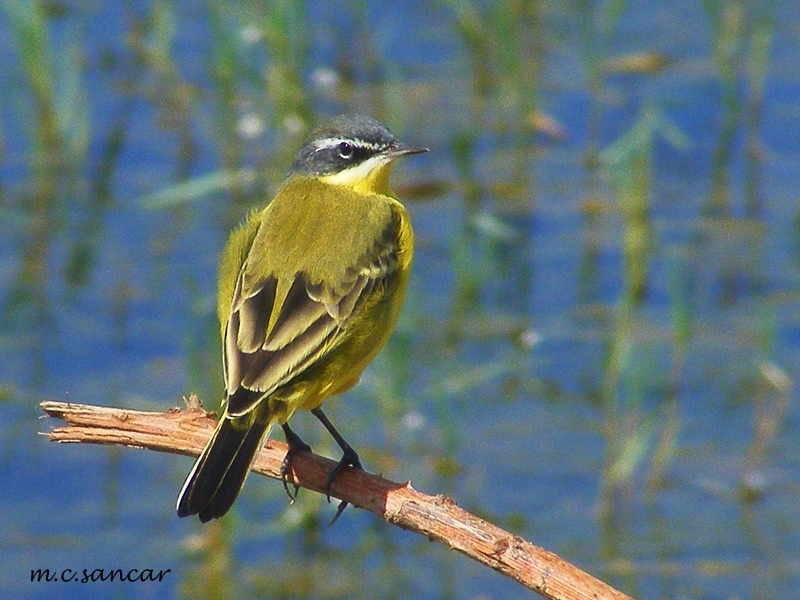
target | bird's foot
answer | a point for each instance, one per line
(349, 459)
(295, 445)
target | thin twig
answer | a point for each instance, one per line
(436, 517)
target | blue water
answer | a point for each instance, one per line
(492, 395)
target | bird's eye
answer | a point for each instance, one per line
(345, 150)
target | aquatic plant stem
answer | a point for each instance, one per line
(436, 517)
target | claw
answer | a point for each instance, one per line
(339, 510)
(349, 459)
(295, 445)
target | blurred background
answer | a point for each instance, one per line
(602, 333)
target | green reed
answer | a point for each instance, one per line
(597, 21)
(52, 106)
(503, 44)
(758, 66)
(633, 431)
(742, 40)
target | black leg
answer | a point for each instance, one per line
(295, 445)
(349, 458)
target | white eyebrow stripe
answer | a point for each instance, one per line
(332, 142)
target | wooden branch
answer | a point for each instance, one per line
(436, 517)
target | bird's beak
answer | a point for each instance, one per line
(402, 150)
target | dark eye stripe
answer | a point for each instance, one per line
(334, 152)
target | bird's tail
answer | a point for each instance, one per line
(218, 475)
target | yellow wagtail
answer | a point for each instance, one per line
(310, 288)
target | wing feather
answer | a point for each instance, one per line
(298, 312)
(271, 369)
(254, 313)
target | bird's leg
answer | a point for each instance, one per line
(295, 445)
(349, 458)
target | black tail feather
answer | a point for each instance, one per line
(219, 474)
(233, 480)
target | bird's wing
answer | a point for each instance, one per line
(268, 343)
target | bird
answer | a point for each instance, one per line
(309, 290)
